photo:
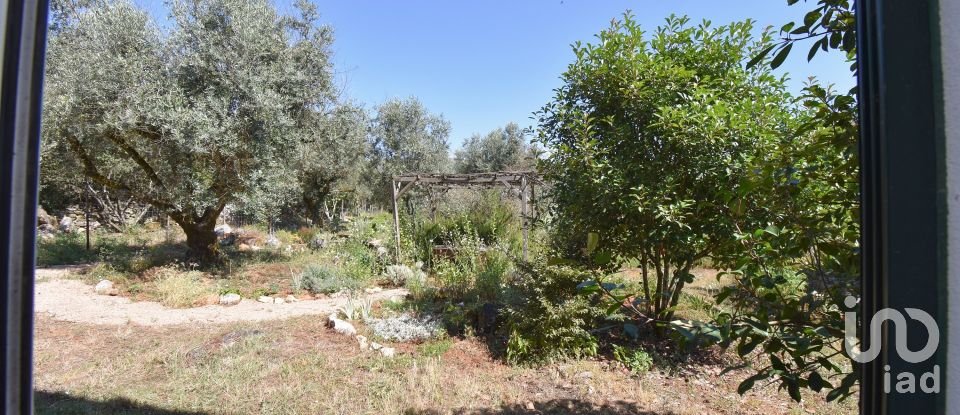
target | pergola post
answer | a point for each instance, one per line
(523, 212)
(396, 221)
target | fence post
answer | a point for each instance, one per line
(396, 220)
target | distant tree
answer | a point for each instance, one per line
(190, 118)
(406, 138)
(501, 149)
(331, 163)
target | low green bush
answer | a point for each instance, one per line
(635, 359)
(475, 273)
(325, 279)
(547, 319)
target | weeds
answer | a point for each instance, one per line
(637, 360)
(180, 289)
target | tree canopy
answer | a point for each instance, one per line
(191, 118)
(406, 138)
(650, 138)
(501, 149)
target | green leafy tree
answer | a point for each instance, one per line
(406, 138)
(501, 149)
(793, 275)
(649, 139)
(191, 117)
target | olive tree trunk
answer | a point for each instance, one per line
(202, 244)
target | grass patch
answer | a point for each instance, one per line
(182, 289)
(435, 348)
(64, 249)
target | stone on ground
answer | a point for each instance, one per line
(104, 287)
(342, 327)
(388, 351)
(230, 299)
(362, 340)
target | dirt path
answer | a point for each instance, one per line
(73, 300)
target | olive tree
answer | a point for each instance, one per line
(649, 139)
(191, 117)
(501, 149)
(331, 163)
(406, 138)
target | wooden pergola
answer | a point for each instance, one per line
(523, 181)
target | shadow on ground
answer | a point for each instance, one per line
(556, 406)
(61, 403)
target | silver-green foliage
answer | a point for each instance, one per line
(326, 279)
(191, 117)
(406, 328)
(406, 138)
(502, 149)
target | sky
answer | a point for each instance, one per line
(482, 64)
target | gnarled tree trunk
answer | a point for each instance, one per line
(201, 240)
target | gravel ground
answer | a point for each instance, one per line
(75, 301)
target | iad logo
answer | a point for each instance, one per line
(906, 381)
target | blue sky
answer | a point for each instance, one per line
(485, 63)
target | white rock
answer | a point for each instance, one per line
(372, 290)
(363, 342)
(230, 299)
(222, 230)
(388, 352)
(66, 224)
(272, 242)
(290, 299)
(375, 243)
(344, 327)
(375, 346)
(104, 287)
(278, 300)
(382, 251)
(265, 299)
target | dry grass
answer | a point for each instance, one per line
(297, 366)
(181, 289)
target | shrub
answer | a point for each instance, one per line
(406, 328)
(399, 275)
(287, 237)
(547, 319)
(181, 289)
(360, 261)
(326, 280)
(475, 273)
(483, 216)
